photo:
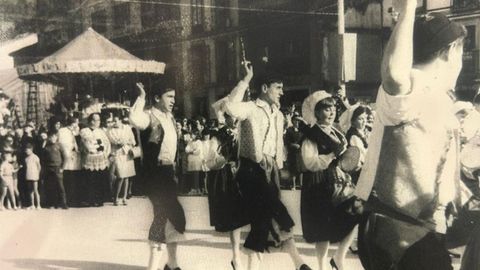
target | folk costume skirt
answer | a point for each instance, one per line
(321, 220)
(227, 209)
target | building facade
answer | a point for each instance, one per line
(203, 41)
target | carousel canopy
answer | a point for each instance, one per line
(90, 52)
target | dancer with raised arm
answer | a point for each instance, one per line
(411, 162)
(168, 223)
(260, 157)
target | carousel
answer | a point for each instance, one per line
(93, 74)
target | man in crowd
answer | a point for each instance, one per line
(261, 157)
(169, 218)
(95, 162)
(71, 161)
(412, 159)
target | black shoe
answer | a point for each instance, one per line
(168, 268)
(304, 267)
(65, 207)
(333, 264)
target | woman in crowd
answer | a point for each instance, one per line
(194, 162)
(122, 140)
(323, 222)
(357, 133)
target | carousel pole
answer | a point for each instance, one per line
(150, 84)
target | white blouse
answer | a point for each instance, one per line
(312, 160)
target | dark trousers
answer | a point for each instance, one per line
(75, 189)
(262, 198)
(96, 182)
(162, 192)
(429, 253)
(55, 190)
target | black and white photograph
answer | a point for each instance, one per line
(240, 134)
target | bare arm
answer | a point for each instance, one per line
(234, 105)
(138, 118)
(398, 58)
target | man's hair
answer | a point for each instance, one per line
(51, 133)
(70, 120)
(265, 79)
(159, 91)
(433, 35)
(29, 146)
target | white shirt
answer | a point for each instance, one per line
(168, 148)
(471, 125)
(313, 161)
(270, 142)
(66, 139)
(142, 119)
(430, 107)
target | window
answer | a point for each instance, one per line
(470, 38)
(99, 21)
(222, 19)
(225, 59)
(154, 13)
(121, 16)
(199, 64)
(198, 14)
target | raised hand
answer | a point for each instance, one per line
(247, 65)
(141, 89)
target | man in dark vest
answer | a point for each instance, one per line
(168, 223)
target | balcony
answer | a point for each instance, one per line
(465, 5)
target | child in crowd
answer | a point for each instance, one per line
(33, 168)
(53, 172)
(6, 174)
(16, 168)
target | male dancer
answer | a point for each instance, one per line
(411, 163)
(261, 156)
(160, 152)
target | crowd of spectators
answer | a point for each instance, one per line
(89, 160)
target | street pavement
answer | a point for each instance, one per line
(114, 238)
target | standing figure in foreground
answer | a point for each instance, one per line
(261, 157)
(411, 162)
(169, 218)
(324, 220)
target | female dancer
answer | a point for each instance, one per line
(226, 211)
(322, 221)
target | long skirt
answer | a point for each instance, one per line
(321, 220)
(227, 209)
